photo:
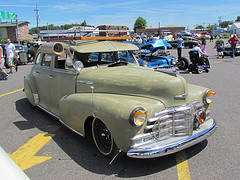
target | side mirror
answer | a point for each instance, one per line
(78, 66)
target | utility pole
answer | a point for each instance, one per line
(17, 30)
(37, 16)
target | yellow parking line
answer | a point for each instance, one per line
(11, 92)
(182, 166)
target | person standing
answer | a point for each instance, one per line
(10, 54)
(233, 42)
(179, 46)
(219, 44)
(2, 72)
(203, 45)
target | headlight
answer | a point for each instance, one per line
(145, 64)
(208, 96)
(174, 62)
(138, 116)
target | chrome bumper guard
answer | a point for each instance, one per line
(156, 150)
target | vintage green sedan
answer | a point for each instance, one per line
(98, 87)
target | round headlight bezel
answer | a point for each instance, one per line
(208, 96)
(138, 116)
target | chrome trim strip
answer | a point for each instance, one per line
(154, 152)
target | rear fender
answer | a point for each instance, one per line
(30, 89)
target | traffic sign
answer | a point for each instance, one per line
(11, 15)
(2, 14)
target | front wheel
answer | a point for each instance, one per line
(103, 138)
(183, 63)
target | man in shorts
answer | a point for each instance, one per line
(219, 44)
(10, 53)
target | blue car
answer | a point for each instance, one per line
(153, 55)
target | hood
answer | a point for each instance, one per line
(156, 44)
(133, 81)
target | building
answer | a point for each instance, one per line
(235, 28)
(9, 30)
(161, 31)
(76, 31)
(113, 30)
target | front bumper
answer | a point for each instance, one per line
(161, 150)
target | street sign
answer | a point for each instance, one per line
(2, 14)
(11, 15)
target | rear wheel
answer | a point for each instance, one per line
(103, 138)
(183, 63)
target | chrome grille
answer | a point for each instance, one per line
(174, 121)
(171, 122)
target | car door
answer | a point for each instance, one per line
(41, 72)
(62, 81)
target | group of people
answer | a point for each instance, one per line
(10, 54)
(219, 45)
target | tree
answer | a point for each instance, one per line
(210, 28)
(140, 23)
(84, 23)
(225, 24)
(200, 27)
(238, 19)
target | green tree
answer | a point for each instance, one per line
(225, 24)
(140, 23)
(84, 23)
(210, 28)
(200, 27)
(238, 19)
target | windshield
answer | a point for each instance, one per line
(100, 58)
(126, 56)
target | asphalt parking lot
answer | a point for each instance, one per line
(45, 149)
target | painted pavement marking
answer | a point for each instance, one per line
(182, 166)
(25, 157)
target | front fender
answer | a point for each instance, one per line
(113, 110)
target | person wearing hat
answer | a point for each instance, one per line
(219, 44)
(233, 42)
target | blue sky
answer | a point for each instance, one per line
(111, 12)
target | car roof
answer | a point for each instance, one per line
(88, 46)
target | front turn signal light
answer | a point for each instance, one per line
(208, 97)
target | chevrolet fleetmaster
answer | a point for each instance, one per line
(98, 87)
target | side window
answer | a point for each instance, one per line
(93, 57)
(47, 59)
(107, 57)
(63, 62)
(38, 58)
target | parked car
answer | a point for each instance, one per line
(99, 88)
(153, 54)
(32, 50)
(228, 52)
(188, 42)
(21, 55)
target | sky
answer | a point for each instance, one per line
(184, 13)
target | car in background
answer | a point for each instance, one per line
(153, 54)
(188, 42)
(21, 55)
(228, 52)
